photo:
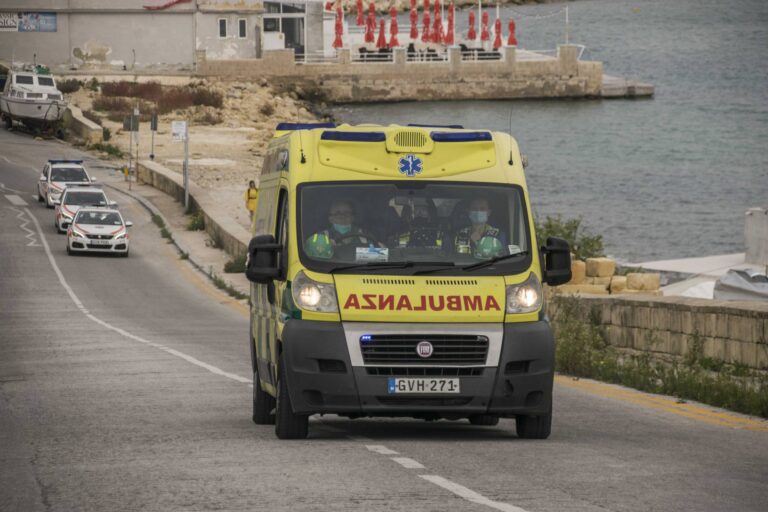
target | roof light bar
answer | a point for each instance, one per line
(452, 126)
(461, 137)
(65, 161)
(354, 136)
(303, 126)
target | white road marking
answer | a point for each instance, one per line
(79, 304)
(380, 449)
(31, 235)
(408, 463)
(9, 189)
(469, 494)
(16, 200)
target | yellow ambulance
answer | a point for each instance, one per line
(395, 272)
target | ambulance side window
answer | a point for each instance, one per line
(281, 229)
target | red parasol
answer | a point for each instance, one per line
(413, 4)
(414, 22)
(360, 14)
(370, 26)
(484, 35)
(425, 36)
(512, 41)
(393, 42)
(337, 42)
(437, 28)
(497, 31)
(449, 32)
(471, 34)
(426, 17)
(381, 42)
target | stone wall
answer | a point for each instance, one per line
(344, 81)
(668, 327)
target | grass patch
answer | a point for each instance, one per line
(196, 222)
(235, 266)
(209, 118)
(583, 350)
(106, 133)
(165, 233)
(151, 91)
(267, 109)
(184, 255)
(158, 221)
(107, 104)
(108, 149)
(221, 284)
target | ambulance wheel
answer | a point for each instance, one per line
(488, 420)
(263, 404)
(534, 427)
(288, 425)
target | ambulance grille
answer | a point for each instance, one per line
(388, 281)
(453, 349)
(451, 282)
(410, 139)
(413, 371)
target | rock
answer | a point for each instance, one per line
(600, 267)
(638, 281)
(579, 289)
(618, 284)
(602, 281)
(652, 293)
(578, 272)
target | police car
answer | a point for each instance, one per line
(100, 230)
(74, 198)
(58, 174)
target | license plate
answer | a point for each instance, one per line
(100, 242)
(437, 385)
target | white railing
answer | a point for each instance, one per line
(426, 56)
(371, 57)
(316, 58)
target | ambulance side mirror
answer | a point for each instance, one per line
(262, 263)
(557, 261)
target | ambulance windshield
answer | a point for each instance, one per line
(378, 225)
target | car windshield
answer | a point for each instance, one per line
(69, 174)
(103, 218)
(85, 199)
(406, 227)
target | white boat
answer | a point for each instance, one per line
(32, 99)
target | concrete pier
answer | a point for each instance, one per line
(617, 87)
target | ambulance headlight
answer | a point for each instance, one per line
(525, 297)
(311, 295)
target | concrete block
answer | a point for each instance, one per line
(581, 289)
(688, 322)
(676, 343)
(602, 281)
(616, 336)
(660, 318)
(653, 293)
(734, 351)
(578, 272)
(744, 328)
(618, 284)
(761, 357)
(714, 348)
(600, 267)
(643, 281)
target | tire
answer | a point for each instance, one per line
(8, 122)
(49, 206)
(534, 427)
(40, 198)
(288, 425)
(124, 254)
(487, 420)
(263, 404)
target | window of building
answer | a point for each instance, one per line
(271, 25)
(241, 27)
(222, 27)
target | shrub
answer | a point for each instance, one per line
(92, 116)
(235, 266)
(108, 148)
(69, 86)
(151, 91)
(108, 104)
(106, 134)
(207, 97)
(210, 118)
(267, 109)
(582, 244)
(196, 222)
(93, 84)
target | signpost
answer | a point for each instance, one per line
(153, 127)
(131, 124)
(180, 133)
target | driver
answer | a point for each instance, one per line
(341, 231)
(480, 239)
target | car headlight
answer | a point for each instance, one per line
(525, 297)
(77, 234)
(66, 215)
(313, 296)
(120, 235)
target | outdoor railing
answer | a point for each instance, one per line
(372, 56)
(426, 56)
(316, 58)
(478, 54)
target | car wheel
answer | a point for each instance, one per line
(484, 419)
(288, 425)
(125, 254)
(263, 404)
(48, 203)
(534, 427)
(40, 197)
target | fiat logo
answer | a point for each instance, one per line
(424, 349)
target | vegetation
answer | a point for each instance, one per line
(109, 104)
(108, 149)
(583, 351)
(583, 245)
(154, 96)
(223, 285)
(92, 116)
(267, 109)
(93, 84)
(196, 222)
(69, 85)
(235, 266)
(106, 134)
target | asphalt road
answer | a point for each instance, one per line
(125, 385)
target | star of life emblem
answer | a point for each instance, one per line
(411, 165)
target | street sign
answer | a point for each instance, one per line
(131, 123)
(178, 131)
(153, 122)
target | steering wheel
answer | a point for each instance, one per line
(370, 239)
(346, 252)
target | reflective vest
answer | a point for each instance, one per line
(464, 244)
(431, 238)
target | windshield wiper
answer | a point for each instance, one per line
(491, 261)
(386, 264)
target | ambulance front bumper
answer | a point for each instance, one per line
(321, 378)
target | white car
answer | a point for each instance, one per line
(75, 198)
(57, 174)
(100, 230)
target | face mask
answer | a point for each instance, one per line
(478, 217)
(342, 228)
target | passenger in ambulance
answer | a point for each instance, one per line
(480, 239)
(422, 231)
(341, 232)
